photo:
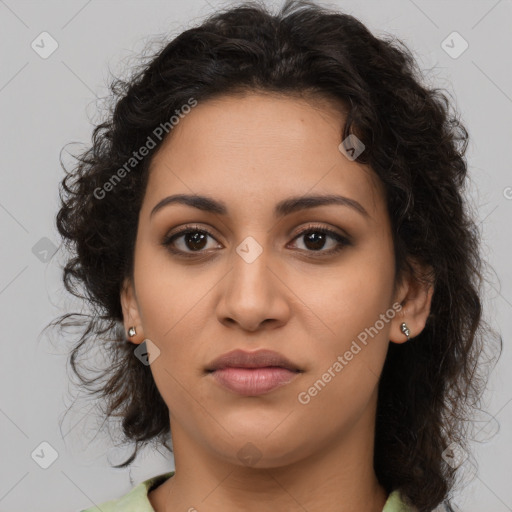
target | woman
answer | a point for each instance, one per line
(272, 230)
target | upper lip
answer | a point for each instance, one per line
(258, 359)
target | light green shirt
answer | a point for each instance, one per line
(137, 499)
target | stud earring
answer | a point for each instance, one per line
(132, 332)
(405, 330)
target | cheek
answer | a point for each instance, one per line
(168, 293)
(170, 307)
(349, 359)
(353, 303)
(349, 297)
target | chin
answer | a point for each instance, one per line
(256, 448)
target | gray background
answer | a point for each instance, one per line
(46, 103)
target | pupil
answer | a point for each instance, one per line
(198, 240)
(317, 239)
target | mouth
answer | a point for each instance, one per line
(252, 373)
(253, 381)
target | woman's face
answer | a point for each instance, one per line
(244, 279)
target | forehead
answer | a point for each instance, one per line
(260, 147)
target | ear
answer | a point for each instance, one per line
(415, 297)
(131, 315)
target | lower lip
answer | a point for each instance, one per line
(253, 381)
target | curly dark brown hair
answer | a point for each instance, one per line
(415, 143)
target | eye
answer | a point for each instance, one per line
(315, 239)
(192, 237)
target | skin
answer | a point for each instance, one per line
(251, 152)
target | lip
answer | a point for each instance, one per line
(253, 381)
(257, 359)
(252, 373)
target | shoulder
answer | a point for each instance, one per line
(136, 500)
(397, 503)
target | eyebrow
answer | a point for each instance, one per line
(283, 208)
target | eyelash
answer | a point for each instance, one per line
(341, 240)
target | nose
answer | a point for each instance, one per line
(254, 294)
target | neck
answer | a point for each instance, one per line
(337, 477)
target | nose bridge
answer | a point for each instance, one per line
(250, 267)
(252, 293)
